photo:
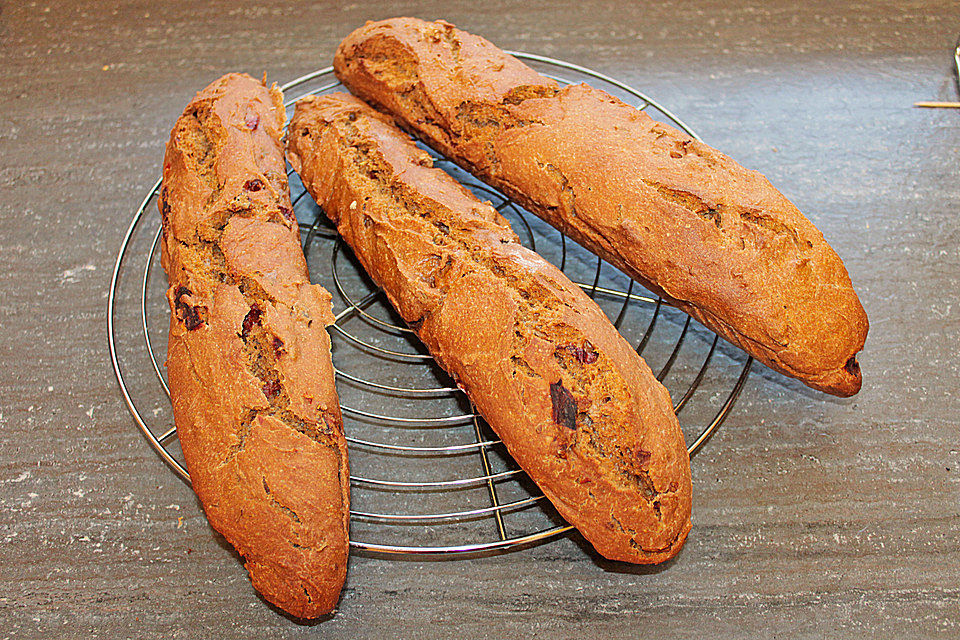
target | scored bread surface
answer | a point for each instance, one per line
(714, 239)
(248, 359)
(572, 401)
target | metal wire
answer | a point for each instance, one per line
(956, 61)
(358, 309)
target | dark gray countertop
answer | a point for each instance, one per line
(813, 516)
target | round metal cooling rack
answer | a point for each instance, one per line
(450, 486)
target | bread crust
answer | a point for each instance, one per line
(713, 238)
(574, 404)
(248, 359)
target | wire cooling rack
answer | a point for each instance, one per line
(428, 476)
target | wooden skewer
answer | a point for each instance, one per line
(938, 105)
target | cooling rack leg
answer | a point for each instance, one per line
(313, 228)
(596, 278)
(649, 331)
(623, 309)
(486, 471)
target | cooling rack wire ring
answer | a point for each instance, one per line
(319, 230)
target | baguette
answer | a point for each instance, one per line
(248, 359)
(574, 404)
(712, 238)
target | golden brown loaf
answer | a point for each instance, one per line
(249, 356)
(714, 239)
(575, 405)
